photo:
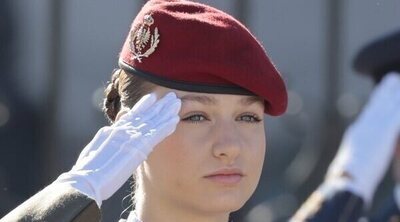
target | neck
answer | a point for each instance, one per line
(151, 209)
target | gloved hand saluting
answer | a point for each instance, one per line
(115, 152)
(368, 145)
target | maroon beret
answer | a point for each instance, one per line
(194, 47)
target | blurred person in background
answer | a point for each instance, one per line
(85, 207)
(368, 146)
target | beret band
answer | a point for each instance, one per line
(184, 86)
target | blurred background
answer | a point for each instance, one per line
(56, 57)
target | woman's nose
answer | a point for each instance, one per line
(227, 143)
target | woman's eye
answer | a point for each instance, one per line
(195, 118)
(250, 118)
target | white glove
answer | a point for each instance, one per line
(108, 161)
(368, 145)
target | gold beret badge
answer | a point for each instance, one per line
(139, 39)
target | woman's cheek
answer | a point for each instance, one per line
(253, 132)
(186, 127)
(191, 134)
(255, 140)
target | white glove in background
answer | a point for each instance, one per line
(368, 144)
(115, 152)
(396, 194)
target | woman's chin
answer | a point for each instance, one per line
(225, 204)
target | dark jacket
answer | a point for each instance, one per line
(64, 204)
(56, 203)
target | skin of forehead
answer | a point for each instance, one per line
(205, 98)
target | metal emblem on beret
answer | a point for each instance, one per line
(139, 39)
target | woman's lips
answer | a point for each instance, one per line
(226, 176)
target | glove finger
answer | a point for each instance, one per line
(134, 130)
(141, 106)
(105, 150)
(121, 113)
(154, 136)
(144, 103)
(155, 110)
(167, 112)
(117, 171)
(167, 128)
(95, 143)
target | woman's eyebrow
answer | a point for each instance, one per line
(250, 100)
(209, 100)
(206, 100)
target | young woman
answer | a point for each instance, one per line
(186, 108)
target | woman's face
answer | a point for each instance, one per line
(213, 160)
